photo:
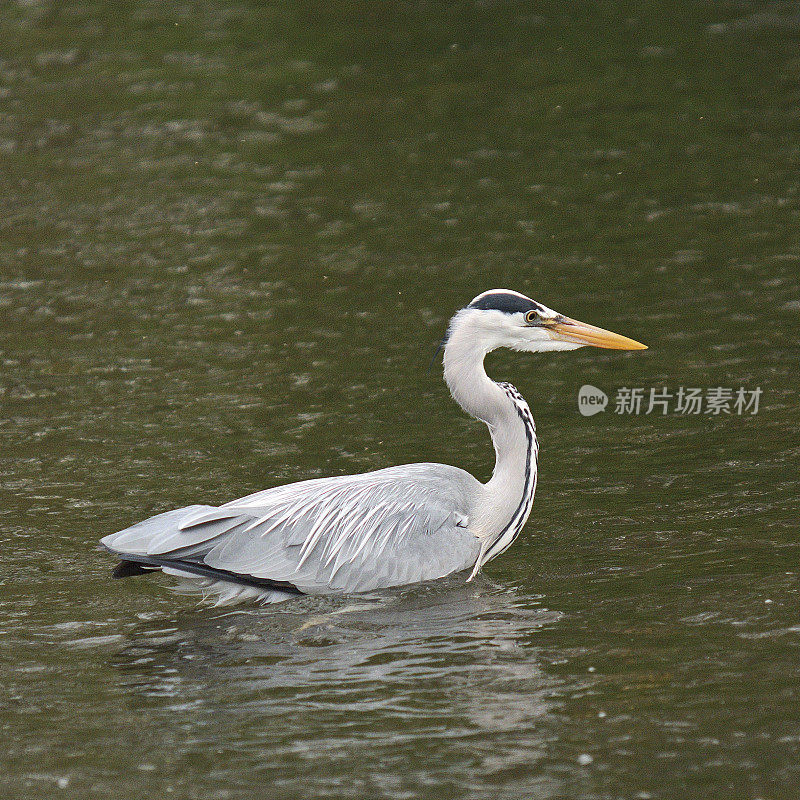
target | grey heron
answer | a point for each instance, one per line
(389, 527)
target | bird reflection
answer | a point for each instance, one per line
(434, 651)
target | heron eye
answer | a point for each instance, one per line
(531, 317)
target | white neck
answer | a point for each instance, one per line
(502, 510)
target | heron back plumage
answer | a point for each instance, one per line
(345, 534)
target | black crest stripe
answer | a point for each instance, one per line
(508, 302)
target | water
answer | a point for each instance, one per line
(231, 235)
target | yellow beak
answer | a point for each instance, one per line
(570, 330)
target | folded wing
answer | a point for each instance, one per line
(350, 534)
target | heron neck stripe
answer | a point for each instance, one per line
(520, 515)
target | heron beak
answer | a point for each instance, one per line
(570, 330)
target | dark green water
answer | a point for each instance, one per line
(231, 235)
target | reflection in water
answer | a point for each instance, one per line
(321, 646)
(448, 664)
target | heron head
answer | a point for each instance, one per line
(504, 318)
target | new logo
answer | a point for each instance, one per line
(591, 400)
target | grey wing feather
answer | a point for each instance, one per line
(355, 533)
